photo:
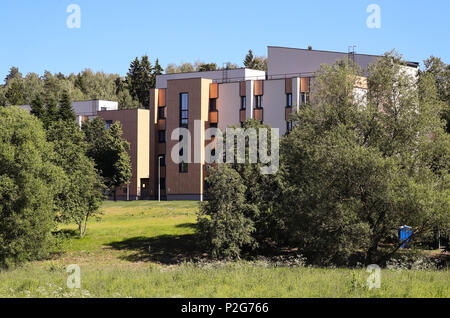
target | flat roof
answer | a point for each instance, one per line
(409, 63)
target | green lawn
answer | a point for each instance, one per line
(140, 249)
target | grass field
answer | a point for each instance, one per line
(140, 249)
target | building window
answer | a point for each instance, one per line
(212, 125)
(289, 126)
(162, 183)
(162, 136)
(108, 124)
(103, 109)
(212, 104)
(289, 100)
(213, 153)
(184, 109)
(259, 101)
(162, 160)
(161, 113)
(305, 98)
(183, 167)
(243, 102)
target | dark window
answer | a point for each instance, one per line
(183, 167)
(162, 160)
(243, 102)
(162, 136)
(161, 113)
(212, 125)
(212, 104)
(184, 109)
(258, 101)
(108, 124)
(213, 153)
(162, 182)
(289, 126)
(289, 100)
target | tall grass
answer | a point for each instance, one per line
(221, 280)
(137, 247)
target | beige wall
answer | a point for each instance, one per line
(229, 104)
(186, 185)
(135, 125)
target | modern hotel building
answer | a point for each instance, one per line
(201, 100)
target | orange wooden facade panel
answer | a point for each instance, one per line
(288, 84)
(259, 88)
(161, 124)
(304, 84)
(259, 114)
(242, 115)
(161, 97)
(213, 90)
(214, 117)
(287, 113)
(242, 89)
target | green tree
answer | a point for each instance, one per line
(355, 171)
(13, 73)
(29, 181)
(255, 62)
(256, 222)
(157, 69)
(14, 92)
(38, 108)
(222, 219)
(207, 67)
(440, 72)
(81, 197)
(249, 61)
(66, 112)
(140, 79)
(51, 112)
(109, 151)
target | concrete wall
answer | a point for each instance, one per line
(274, 104)
(293, 61)
(229, 104)
(219, 76)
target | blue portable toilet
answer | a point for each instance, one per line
(405, 234)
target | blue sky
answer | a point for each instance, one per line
(34, 35)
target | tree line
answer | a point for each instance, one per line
(52, 172)
(131, 91)
(352, 171)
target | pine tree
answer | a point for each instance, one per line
(249, 61)
(38, 108)
(140, 78)
(66, 112)
(51, 112)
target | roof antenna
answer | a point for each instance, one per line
(351, 53)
